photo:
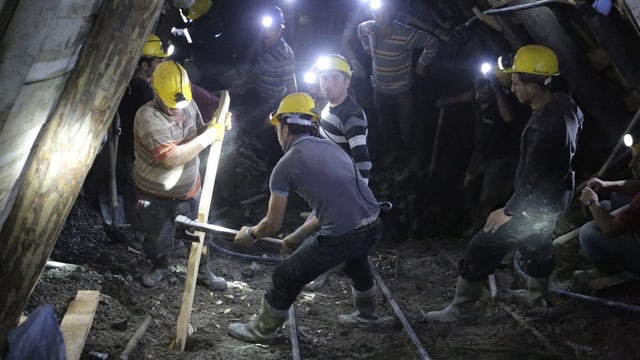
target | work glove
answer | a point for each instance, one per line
(244, 236)
(214, 132)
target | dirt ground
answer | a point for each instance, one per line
(417, 269)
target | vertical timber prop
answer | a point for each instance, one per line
(67, 145)
(204, 206)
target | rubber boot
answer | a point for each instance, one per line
(207, 278)
(365, 303)
(317, 283)
(461, 308)
(264, 329)
(536, 293)
(159, 271)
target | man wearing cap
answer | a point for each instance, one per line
(344, 211)
(166, 168)
(611, 241)
(543, 188)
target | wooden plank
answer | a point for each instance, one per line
(203, 216)
(77, 322)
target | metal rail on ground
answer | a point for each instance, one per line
(396, 309)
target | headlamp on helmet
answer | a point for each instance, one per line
(632, 140)
(297, 108)
(171, 84)
(273, 17)
(332, 62)
(375, 5)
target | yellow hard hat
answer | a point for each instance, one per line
(532, 59)
(171, 83)
(297, 103)
(503, 78)
(333, 62)
(198, 9)
(153, 47)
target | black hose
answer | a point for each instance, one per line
(264, 259)
(577, 296)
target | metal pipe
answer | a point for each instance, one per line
(597, 300)
(519, 7)
(399, 314)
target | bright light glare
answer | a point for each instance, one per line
(375, 4)
(628, 140)
(310, 77)
(171, 49)
(322, 63)
(182, 104)
(267, 21)
(485, 68)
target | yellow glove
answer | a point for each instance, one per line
(245, 237)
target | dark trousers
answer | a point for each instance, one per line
(155, 217)
(530, 233)
(488, 183)
(318, 255)
(396, 117)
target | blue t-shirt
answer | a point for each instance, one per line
(324, 176)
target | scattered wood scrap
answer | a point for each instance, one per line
(77, 321)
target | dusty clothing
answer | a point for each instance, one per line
(489, 176)
(164, 193)
(622, 250)
(395, 118)
(392, 54)
(275, 68)
(346, 124)
(156, 137)
(543, 188)
(547, 146)
(138, 93)
(323, 174)
(492, 133)
(156, 217)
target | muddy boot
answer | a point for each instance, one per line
(365, 303)
(536, 293)
(158, 272)
(317, 283)
(461, 308)
(264, 329)
(207, 278)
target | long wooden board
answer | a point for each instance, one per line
(203, 216)
(77, 322)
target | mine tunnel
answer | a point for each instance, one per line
(161, 199)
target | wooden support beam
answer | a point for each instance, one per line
(204, 206)
(67, 145)
(77, 322)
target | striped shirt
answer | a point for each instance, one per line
(156, 137)
(392, 54)
(346, 125)
(275, 69)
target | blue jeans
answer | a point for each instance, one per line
(610, 253)
(316, 256)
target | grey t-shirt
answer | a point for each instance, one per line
(324, 176)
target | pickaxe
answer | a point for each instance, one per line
(185, 228)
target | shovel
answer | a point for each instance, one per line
(112, 208)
